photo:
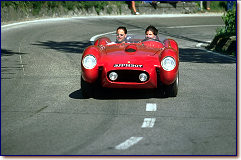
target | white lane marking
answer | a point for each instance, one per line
(18, 24)
(128, 143)
(148, 123)
(92, 39)
(109, 17)
(20, 58)
(21, 63)
(199, 45)
(195, 26)
(151, 107)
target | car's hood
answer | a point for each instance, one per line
(134, 56)
(131, 49)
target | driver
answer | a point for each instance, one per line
(151, 33)
(121, 33)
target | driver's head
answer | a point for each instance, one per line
(121, 34)
(151, 32)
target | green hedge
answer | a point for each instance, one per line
(225, 39)
(35, 6)
(229, 19)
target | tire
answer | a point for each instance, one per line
(87, 89)
(172, 90)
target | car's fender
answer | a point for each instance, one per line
(102, 41)
(168, 77)
(91, 75)
(170, 43)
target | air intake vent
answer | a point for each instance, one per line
(128, 76)
(131, 48)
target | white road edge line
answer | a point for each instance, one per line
(195, 26)
(128, 143)
(110, 17)
(148, 123)
(92, 39)
(151, 107)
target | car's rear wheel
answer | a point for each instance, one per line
(87, 89)
(171, 90)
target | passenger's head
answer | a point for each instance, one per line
(121, 34)
(151, 32)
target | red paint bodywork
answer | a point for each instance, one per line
(148, 53)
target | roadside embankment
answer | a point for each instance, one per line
(12, 13)
(223, 44)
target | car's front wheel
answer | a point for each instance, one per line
(171, 90)
(87, 89)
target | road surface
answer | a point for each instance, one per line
(44, 113)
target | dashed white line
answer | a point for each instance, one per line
(128, 143)
(20, 58)
(151, 107)
(148, 123)
(21, 62)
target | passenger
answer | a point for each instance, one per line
(121, 34)
(151, 33)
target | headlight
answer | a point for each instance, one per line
(89, 62)
(143, 77)
(168, 63)
(113, 76)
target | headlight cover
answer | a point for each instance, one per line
(89, 62)
(113, 76)
(168, 63)
(143, 77)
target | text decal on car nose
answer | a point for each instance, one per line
(129, 65)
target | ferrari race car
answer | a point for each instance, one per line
(135, 64)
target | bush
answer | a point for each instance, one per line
(98, 5)
(230, 24)
(225, 39)
(53, 5)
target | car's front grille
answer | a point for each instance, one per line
(128, 76)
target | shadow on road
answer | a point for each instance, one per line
(106, 93)
(202, 56)
(167, 34)
(186, 54)
(162, 32)
(68, 47)
(6, 52)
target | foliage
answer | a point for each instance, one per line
(98, 5)
(216, 6)
(230, 24)
(36, 6)
(224, 40)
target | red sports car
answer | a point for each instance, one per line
(136, 64)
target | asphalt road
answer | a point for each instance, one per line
(43, 112)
